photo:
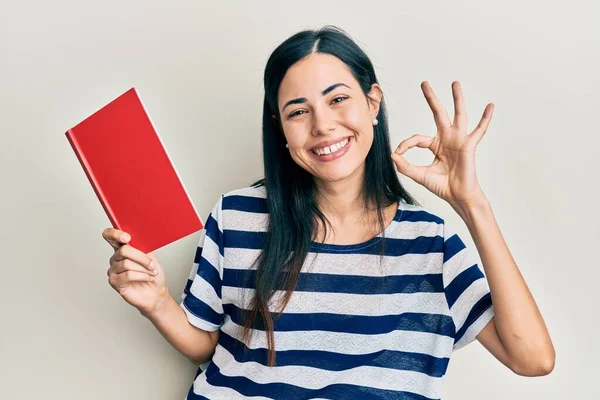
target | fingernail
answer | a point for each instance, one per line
(152, 265)
(125, 238)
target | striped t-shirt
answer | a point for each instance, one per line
(356, 327)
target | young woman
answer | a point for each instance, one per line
(326, 279)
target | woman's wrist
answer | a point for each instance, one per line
(161, 306)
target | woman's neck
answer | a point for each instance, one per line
(341, 201)
(343, 204)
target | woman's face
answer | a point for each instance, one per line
(321, 104)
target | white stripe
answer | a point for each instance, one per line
(257, 222)
(347, 264)
(369, 265)
(461, 261)
(462, 307)
(204, 291)
(259, 192)
(316, 378)
(211, 253)
(344, 303)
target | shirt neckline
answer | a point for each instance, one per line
(315, 246)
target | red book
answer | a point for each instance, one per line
(132, 174)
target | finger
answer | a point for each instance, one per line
(115, 237)
(125, 278)
(127, 251)
(439, 112)
(414, 172)
(118, 267)
(460, 112)
(417, 140)
(483, 124)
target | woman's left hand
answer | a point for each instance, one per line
(451, 176)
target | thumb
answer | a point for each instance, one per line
(414, 172)
(403, 166)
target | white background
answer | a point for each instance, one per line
(65, 334)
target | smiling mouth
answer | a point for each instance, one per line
(332, 149)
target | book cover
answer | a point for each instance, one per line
(130, 171)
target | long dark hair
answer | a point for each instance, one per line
(292, 192)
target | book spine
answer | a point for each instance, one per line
(90, 175)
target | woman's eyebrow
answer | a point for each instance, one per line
(301, 100)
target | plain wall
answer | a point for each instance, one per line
(66, 334)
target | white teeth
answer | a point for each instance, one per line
(332, 149)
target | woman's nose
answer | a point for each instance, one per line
(324, 122)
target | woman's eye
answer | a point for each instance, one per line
(300, 112)
(341, 98)
(295, 113)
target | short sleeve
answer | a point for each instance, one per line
(466, 289)
(201, 298)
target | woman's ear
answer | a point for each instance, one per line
(374, 99)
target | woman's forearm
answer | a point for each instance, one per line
(519, 323)
(171, 321)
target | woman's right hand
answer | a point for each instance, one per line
(132, 275)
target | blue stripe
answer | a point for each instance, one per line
(248, 387)
(330, 361)
(420, 216)
(207, 271)
(210, 274)
(479, 308)
(399, 247)
(453, 245)
(245, 203)
(193, 396)
(213, 232)
(362, 324)
(244, 239)
(394, 247)
(188, 286)
(198, 254)
(202, 310)
(461, 283)
(354, 284)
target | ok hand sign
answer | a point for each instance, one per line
(451, 176)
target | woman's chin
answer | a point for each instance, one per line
(337, 173)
